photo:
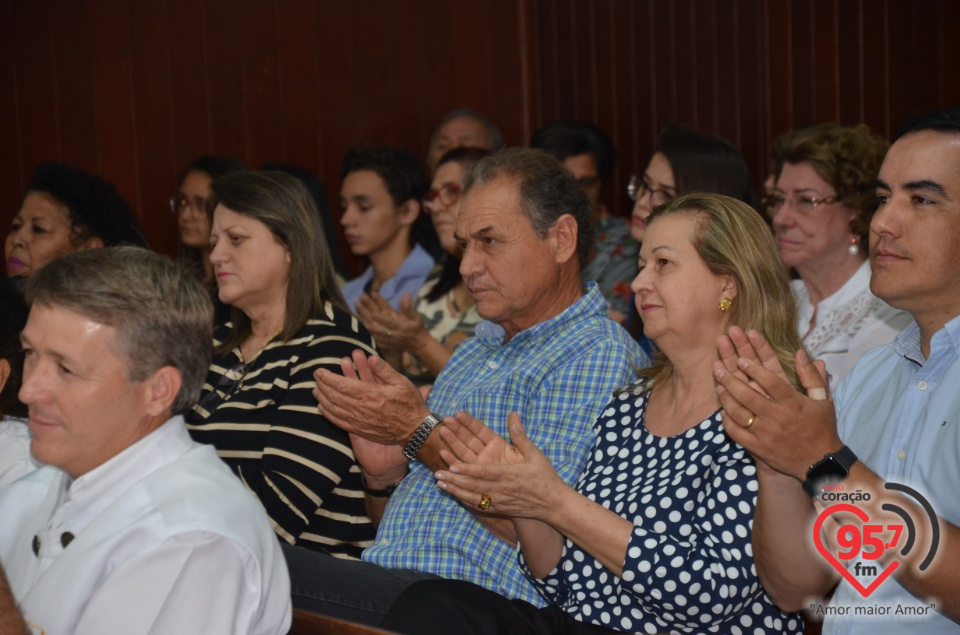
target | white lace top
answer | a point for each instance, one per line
(848, 323)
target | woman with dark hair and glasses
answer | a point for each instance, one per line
(684, 161)
(288, 318)
(419, 339)
(189, 205)
(820, 210)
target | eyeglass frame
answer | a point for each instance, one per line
(637, 186)
(437, 193)
(175, 207)
(774, 208)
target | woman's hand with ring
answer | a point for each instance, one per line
(524, 489)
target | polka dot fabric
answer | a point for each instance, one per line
(689, 566)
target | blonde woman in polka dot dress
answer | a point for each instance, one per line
(656, 535)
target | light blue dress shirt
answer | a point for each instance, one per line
(410, 277)
(557, 375)
(900, 414)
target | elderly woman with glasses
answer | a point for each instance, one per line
(419, 339)
(820, 211)
(288, 319)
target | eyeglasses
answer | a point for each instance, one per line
(179, 203)
(637, 188)
(230, 383)
(448, 193)
(803, 204)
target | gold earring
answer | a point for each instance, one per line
(725, 303)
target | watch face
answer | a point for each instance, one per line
(827, 473)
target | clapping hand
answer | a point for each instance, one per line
(517, 478)
(393, 330)
(779, 425)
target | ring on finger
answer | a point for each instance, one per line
(485, 502)
(750, 422)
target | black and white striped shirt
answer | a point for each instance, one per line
(264, 422)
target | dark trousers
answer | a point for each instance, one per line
(347, 589)
(441, 607)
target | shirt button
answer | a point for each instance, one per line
(901, 454)
(922, 385)
(493, 365)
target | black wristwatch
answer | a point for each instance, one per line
(829, 470)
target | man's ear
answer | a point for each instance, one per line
(5, 371)
(409, 211)
(162, 387)
(565, 233)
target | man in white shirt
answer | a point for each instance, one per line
(125, 525)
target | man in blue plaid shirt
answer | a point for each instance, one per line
(546, 350)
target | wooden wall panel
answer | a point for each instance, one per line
(74, 103)
(136, 89)
(36, 87)
(751, 71)
(153, 99)
(850, 49)
(876, 63)
(11, 174)
(227, 70)
(949, 89)
(112, 89)
(186, 55)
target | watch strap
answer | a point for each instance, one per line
(377, 493)
(412, 448)
(844, 457)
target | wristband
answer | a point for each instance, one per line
(377, 493)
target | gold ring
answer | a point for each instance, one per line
(750, 422)
(485, 502)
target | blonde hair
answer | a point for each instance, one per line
(733, 240)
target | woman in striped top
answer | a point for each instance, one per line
(288, 319)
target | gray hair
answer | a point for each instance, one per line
(161, 312)
(493, 133)
(547, 191)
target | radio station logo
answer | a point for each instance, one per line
(867, 542)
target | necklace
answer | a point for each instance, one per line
(244, 365)
(260, 350)
(231, 382)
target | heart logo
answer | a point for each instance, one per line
(862, 515)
